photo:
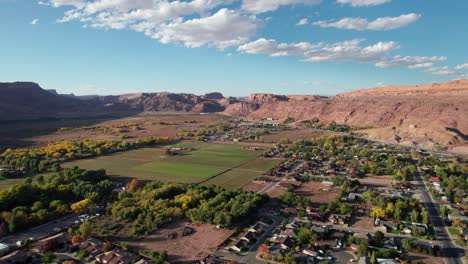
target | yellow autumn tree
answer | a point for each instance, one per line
(81, 206)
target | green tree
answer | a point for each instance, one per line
(414, 216)
(85, 229)
(373, 259)
(304, 235)
(424, 216)
(48, 257)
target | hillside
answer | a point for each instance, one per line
(426, 115)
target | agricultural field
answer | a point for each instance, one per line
(223, 164)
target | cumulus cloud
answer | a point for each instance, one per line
(444, 70)
(34, 21)
(262, 6)
(302, 22)
(192, 23)
(382, 23)
(311, 52)
(224, 29)
(463, 66)
(412, 62)
(363, 2)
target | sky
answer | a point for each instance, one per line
(236, 47)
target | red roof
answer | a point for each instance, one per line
(434, 179)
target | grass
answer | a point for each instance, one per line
(205, 161)
(453, 231)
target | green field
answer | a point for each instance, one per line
(205, 161)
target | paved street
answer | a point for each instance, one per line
(41, 231)
(452, 253)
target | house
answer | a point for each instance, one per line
(354, 196)
(338, 219)
(53, 242)
(434, 179)
(92, 246)
(238, 246)
(292, 225)
(310, 252)
(249, 237)
(116, 256)
(110, 257)
(257, 228)
(287, 242)
(389, 225)
(453, 216)
(319, 230)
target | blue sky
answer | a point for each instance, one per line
(235, 47)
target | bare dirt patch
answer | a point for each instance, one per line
(317, 192)
(413, 256)
(378, 181)
(254, 186)
(362, 222)
(276, 191)
(205, 239)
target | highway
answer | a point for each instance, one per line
(452, 253)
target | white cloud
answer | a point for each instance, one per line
(224, 29)
(312, 52)
(262, 6)
(192, 23)
(444, 70)
(302, 22)
(463, 66)
(363, 2)
(34, 21)
(412, 62)
(382, 23)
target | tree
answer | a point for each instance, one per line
(390, 210)
(85, 229)
(414, 216)
(289, 258)
(76, 239)
(81, 206)
(458, 223)
(424, 216)
(373, 259)
(377, 212)
(48, 257)
(407, 244)
(304, 235)
(363, 248)
(106, 247)
(133, 185)
(443, 211)
(379, 237)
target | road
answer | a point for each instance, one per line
(452, 254)
(41, 231)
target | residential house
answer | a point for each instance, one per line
(287, 242)
(53, 242)
(338, 219)
(249, 237)
(238, 246)
(116, 256)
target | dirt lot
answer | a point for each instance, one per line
(254, 186)
(276, 191)
(318, 193)
(205, 239)
(425, 258)
(39, 133)
(362, 222)
(377, 181)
